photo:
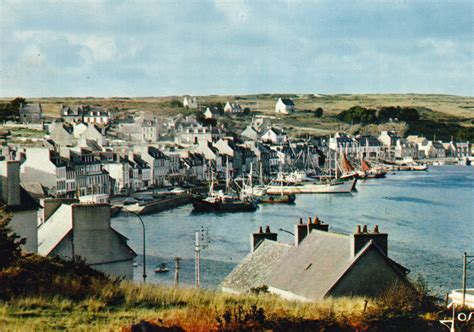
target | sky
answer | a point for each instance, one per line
(158, 48)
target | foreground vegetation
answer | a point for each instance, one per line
(38, 293)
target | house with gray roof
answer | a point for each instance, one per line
(17, 201)
(320, 264)
(83, 230)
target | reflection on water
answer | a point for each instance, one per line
(428, 216)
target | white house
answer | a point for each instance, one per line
(212, 112)
(46, 167)
(96, 115)
(119, 170)
(84, 231)
(275, 136)
(232, 108)
(190, 102)
(285, 106)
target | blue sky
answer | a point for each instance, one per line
(157, 48)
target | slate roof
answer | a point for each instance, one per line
(30, 108)
(254, 270)
(287, 102)
(321, 257)
(27, 203)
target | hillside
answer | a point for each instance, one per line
(442, 116)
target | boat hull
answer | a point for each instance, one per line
(275, 199)
(204, 206)
(315, 188)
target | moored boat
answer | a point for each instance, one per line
(277, 198)
(223, 204)
(331, 187)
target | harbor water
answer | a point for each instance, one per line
(429, 217)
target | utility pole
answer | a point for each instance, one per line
(197, 264)
(464, 275)
(199, 235)
(144, 244)
(176, 272)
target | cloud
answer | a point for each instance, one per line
(230, 47)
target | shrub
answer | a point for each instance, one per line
(10, 243)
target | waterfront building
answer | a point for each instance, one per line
(369, 147)
(83, 231)
(342, 142)
(118, 169)
(158, 162)
(405, 149)
(463, 149)
(320, 264)
(285, 106)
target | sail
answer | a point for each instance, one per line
(365, 165)
(345, 164)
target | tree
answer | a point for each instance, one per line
(10, 243)
(318, 112)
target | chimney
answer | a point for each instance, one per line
(360, 239)
(50, 205)
(10, 182)
(257, 238)
(318, 225)
(302, 230)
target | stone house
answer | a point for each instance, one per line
(405, 149)
(96, 115)
(31, 113)
(320, 264)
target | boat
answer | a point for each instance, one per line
(224, 203)
(313, 187)
(162, 268)
(277, 198)
(218, 201)
(372, 172)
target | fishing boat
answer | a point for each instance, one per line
(277, 198)
(224, 203)
(372, 172)
(218, 201)
(162, 268)
(313, 187)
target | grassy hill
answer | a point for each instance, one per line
(442, 116)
